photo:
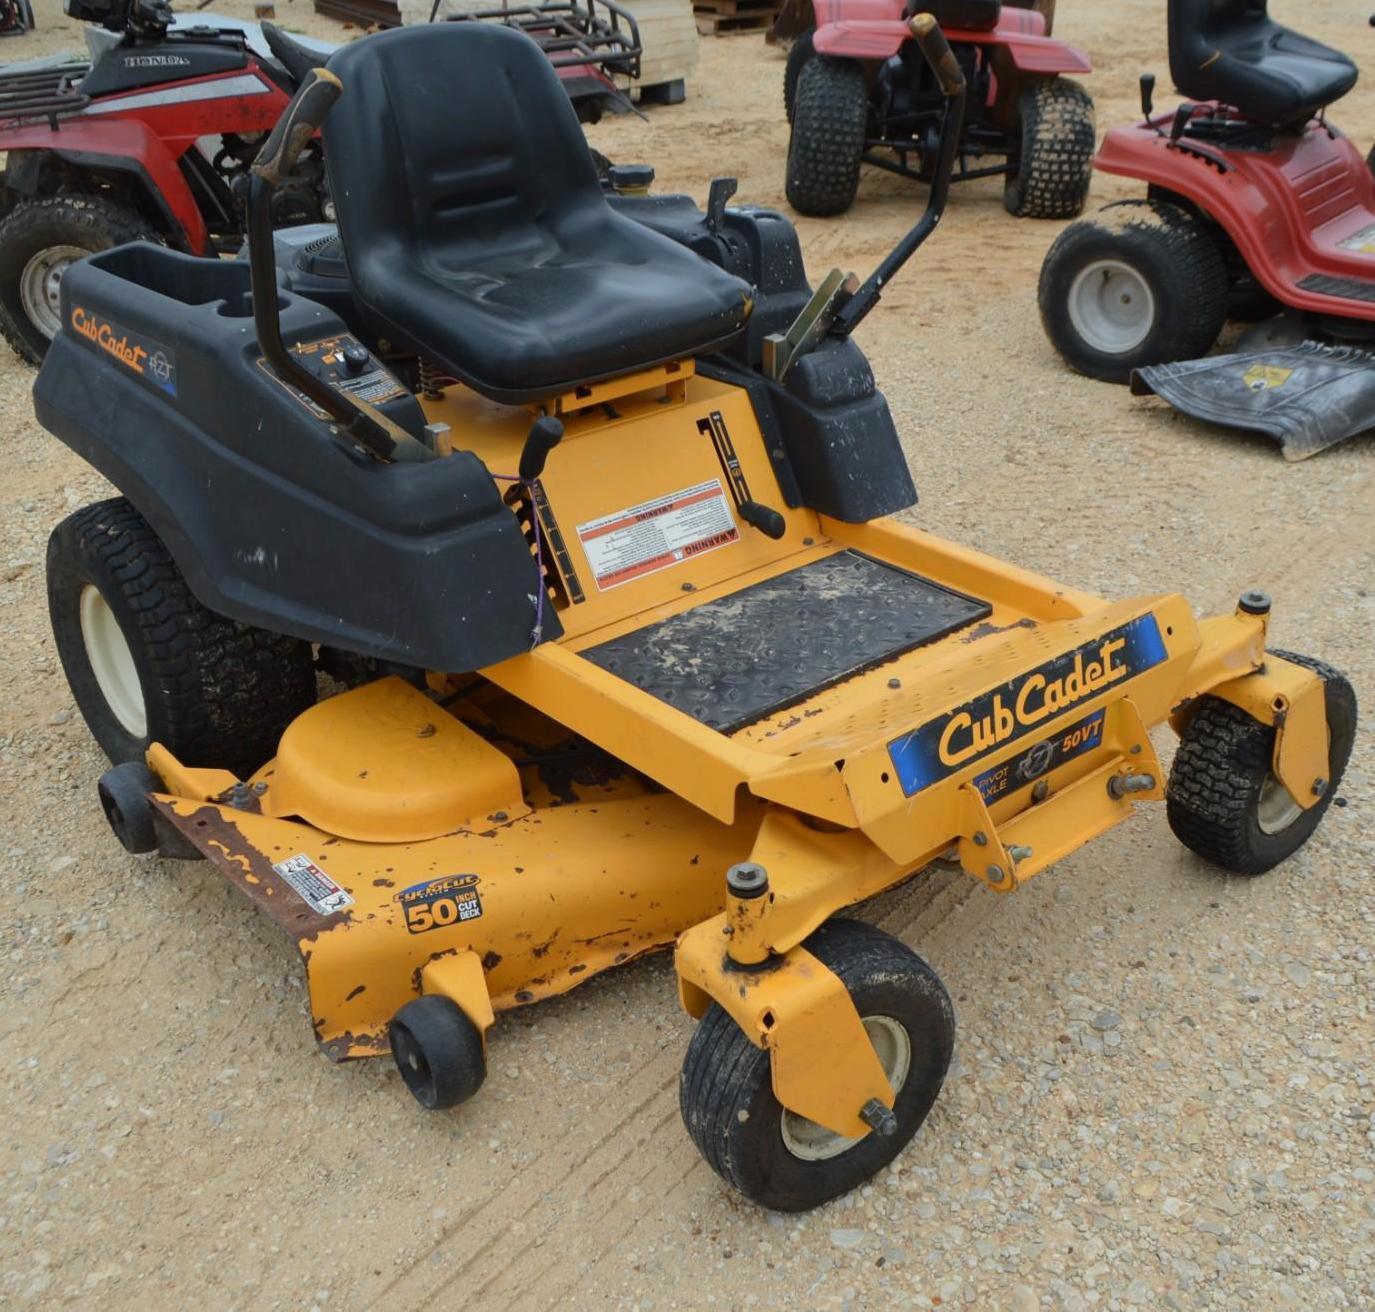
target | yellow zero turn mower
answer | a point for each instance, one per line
(583, 495)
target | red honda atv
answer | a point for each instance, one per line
(857, 91)
(1255, 203)
(113, 150)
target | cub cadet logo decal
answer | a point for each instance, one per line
(940, 747)
(438, 903)
(149, 359)
(156, 61)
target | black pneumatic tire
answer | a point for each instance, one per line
(1213, 800)
(87, 223)
(438, 1051)
(214, 692)
(1054, 164)
(799, 53)
(726, 1095)
(1168, 250)
(827, 143)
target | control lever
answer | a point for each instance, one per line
(1181, 119)
(1147, 95)
(722, 189)
(544, 435)
(355, 418)
(765, 518)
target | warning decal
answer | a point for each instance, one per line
(315, 888)
(658, 533)
(1363, 241)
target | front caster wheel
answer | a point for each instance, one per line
(1138, 283)
(1223, 800)
(438, 1051)
(784, 1161)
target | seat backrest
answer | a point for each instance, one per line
(1195, 27)
(452, 143)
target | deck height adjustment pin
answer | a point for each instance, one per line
(878, 1118)
(1122, 784)
(1017, 853)
(746, 880)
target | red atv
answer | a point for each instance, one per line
(112, 150)
(857, 90)
(1255, 203)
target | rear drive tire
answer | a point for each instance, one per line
(1054, 164)
(1138, 283)
(39, 241)
(799, 53)
(147, 662)
(1223, 800)
(784, 1161)
(827, 144)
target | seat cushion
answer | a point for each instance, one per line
(476, 232)
(1231, 51)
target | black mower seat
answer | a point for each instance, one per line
(970, 15)
(476, 232)
(1232, 51)
(297, 59)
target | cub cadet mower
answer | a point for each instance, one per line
(1256, 206)
(635, 655)
(857, 90)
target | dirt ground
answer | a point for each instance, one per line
(1163, 1092)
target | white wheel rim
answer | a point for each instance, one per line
(1111, 307)
(112, 662)
(40, 286)
(815, 1143)
(1277, 809)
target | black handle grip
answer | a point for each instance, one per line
(545, 434)
(936, 51)
(299, 122)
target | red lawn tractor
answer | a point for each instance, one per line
(857, 91)
(1256, 205)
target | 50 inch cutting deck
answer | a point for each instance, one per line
(662, 668)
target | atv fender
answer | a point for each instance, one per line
(122, 146)
(874, 29)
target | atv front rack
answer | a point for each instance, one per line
(43, 93)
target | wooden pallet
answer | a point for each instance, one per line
(729, 17)
(366, 13)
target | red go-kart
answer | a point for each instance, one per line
(143, 142)
(857, 90)
(1255, 204)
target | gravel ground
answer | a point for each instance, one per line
(1162, 1095)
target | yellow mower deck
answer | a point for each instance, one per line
(409, 843)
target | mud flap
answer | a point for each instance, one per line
(1308, 397)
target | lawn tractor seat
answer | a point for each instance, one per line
(297, 59)
(1232, 51)
(476, 232)
(965, 15)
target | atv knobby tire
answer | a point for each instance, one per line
(85, 223)
(799, 53)
(726, 1091)
(213, 691)
(1054, 162)
(827, 144)
(1163, 256)
(1216, 798)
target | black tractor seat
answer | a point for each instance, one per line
(477, 234)
(969, 15)
(297, 59)
(1233, 52)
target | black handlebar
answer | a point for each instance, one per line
(357, 420)
(937, 53)
(300, 121)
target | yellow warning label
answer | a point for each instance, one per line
(1362, 242)
(1266, 377)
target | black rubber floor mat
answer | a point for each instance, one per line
(737, 659)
